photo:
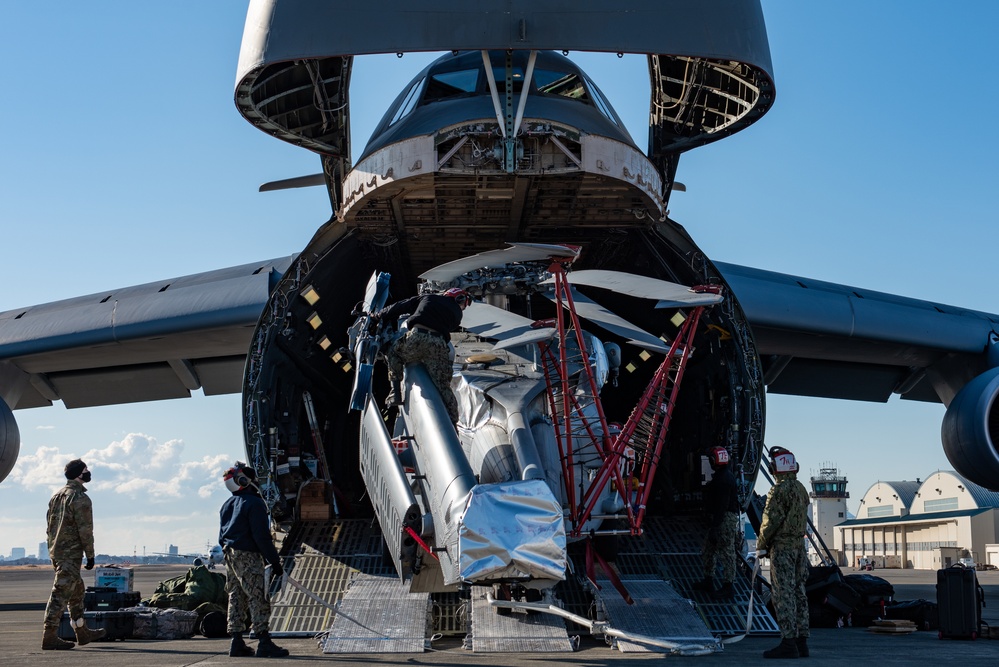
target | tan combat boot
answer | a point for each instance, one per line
(85, 635)
(51, 641)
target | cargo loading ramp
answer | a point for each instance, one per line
(656, 611)
(514, 632)
(323, 557)
(670, 550)
(379, 615)
(326, 556)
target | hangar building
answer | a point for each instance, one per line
(923, 525)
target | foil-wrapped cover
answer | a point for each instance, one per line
(512, 531)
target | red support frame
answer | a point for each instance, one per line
(655, 406)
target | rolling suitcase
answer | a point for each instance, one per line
(959, 603)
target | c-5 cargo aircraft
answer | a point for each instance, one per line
(502, 144)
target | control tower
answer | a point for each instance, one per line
(828, 509)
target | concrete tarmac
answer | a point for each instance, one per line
(24, 591)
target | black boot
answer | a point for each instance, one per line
(707, 585)
(266, 648)
(802, 643)
(238, 648)
(786, 649)
(726, 592)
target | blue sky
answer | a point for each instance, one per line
(123, 160)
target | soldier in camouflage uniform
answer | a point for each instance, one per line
(782, 535)
(70, 534)
(432, 319)
(246, 543)
(721, 503)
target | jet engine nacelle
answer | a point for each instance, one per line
(10, 440)
(971, 430)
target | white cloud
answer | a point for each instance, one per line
(137, 451)
(137, 467)
(44, 428)
(45, 468)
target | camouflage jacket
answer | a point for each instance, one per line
(70, 524)
(784, 517)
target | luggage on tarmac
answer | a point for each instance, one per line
(97, 598)
(872, 595)
(921, 612)
(155, 623)
(871, 589)
(960, 599)
(118, 624)
(842, 598)
(820, 577)
(830, 599)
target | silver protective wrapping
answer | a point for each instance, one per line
(512, 530)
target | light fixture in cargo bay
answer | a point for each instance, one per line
(310, 295)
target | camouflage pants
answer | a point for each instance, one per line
(244, 572)
(67, 590)
(432, 351)
(719, 548)
(788, 574)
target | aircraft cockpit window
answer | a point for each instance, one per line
(409, 103)
(560, 83)
(602, 104)
(499, 73)
(443, 85)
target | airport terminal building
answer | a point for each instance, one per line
(925, 525)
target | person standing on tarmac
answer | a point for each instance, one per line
(246, 544)
(721, 502)
(432, 319)
(70, 535)
(782, 534)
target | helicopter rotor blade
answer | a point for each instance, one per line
(669, 295)
(517, 252)
(489, 321)
(594, 312)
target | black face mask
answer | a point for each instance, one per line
(85, 477)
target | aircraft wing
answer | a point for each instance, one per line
(147, 342)
(828, 340)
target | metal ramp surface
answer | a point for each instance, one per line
(379, 615)
(492, 632)
(658, 611)
(323, 557)
(725, 617)
(670, 550)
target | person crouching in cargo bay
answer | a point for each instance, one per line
(70, 534)
(432, 318)
(782, 535)
(246, 544)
